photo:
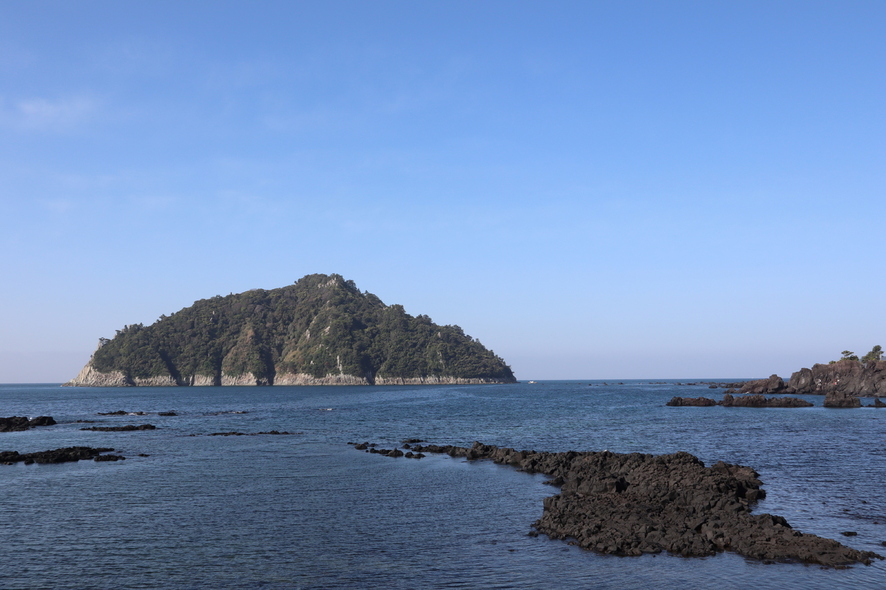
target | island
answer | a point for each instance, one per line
(321, 330)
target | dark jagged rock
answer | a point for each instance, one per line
(630, 504)
(877, 403)
(63, 455)
(746, 401)
(109, 458)
(121, 413)
(19, 423)
(235, 433)
(843, 378)
(370, 448)
(691, 401)
(774, 384)
(127, 428)
(759, 401)
(167, 414)
(841, 399)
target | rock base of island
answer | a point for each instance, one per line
(90, 377)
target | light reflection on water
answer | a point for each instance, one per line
(308, 511)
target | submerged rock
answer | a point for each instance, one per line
(126, 428)
(630, 504)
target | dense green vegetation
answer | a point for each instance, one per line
(321, 325)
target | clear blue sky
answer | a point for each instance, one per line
(591, 189)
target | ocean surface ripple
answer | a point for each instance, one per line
(306, 510)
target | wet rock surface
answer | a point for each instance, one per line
(841, 399)
(630, 504)
(20, 423)
(236, 433)
(744, 401)
(127, 428)
(64, 455)
(691, 401)
(372, 448)
(760, 401)
(774, 384)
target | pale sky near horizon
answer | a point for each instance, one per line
(594, 190)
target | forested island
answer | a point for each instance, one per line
(321, 330)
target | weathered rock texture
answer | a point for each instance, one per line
(745, 401)
(127, 428)
(842, 378)
(841, 382)
(64, 455)
(774, 384)
(630, 504)
(320, 331)
(19, 423)
(691, 401)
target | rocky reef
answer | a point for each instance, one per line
(631, 504)
(19, 423)
(64, 455)
(744, 401)
(127, 428)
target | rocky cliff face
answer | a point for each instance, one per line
(841, 382)
(842, 378)
(320, 331)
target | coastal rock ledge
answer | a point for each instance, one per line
(630, 504)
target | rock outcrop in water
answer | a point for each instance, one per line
(64, 455)
(630, 504)
(841, 382)
(127, 428)
(320, 331)
(774, 384)
(19, 423)
(842, 379)
(743, 401)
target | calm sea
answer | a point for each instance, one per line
(309, 511)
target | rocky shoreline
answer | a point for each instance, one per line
(842, 383)
(631, 504)
(91, 377)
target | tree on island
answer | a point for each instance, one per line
(848, 355)
(875, 354)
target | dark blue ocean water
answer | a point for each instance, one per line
(309, 511)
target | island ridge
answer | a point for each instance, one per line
(322, 330)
